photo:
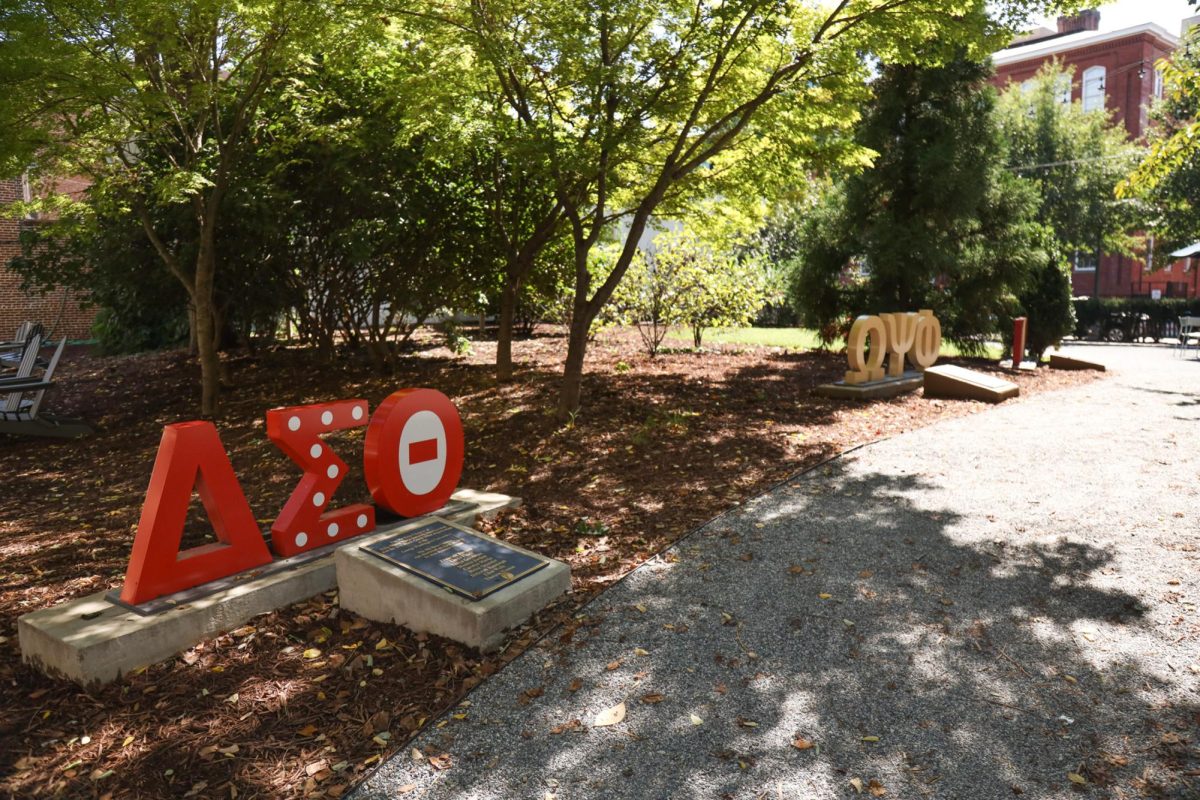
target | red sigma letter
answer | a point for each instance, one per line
(301, 525)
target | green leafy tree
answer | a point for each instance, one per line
(638, 107)
(935, 222)
(1168, 180)
(160, 100)
(1175, 146)
(1076, 159)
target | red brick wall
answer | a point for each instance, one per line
(1128, 96)
(59, 311)
(1127, 93)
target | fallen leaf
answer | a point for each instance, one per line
(406, 788)
(640, 608)
(824, 595)
(866, 573)
(801, 743)
(613, 665)
(312, 653)
(315, 767)
(876, 788)
(610, 716)
(637, 651)
(576, 685)
(870, 738)
(307, 730)
(440, 762)
(696, 720)
(573, 725)
(652, 698)
(857, 784)
(1075, 777)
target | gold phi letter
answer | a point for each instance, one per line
(928, 345)
(864, 368)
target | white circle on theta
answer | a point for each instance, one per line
(424, 476)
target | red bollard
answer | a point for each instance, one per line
(1018, 346)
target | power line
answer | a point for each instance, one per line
(1072, 162)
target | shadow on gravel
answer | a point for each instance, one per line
(987, 669)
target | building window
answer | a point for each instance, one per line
(1028, 86)
(1084, 262)
(1062, 89)
(1093, 89)
(1158, 83)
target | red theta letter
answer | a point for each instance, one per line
(301, 525)
(413, 455)
(191, 454)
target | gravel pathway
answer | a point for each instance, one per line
(1003, 604)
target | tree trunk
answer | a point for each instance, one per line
(697, 335)
(571, 393)
(191, 314)
(508, 310)
(207, 331)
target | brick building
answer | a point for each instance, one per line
(59, 311)
(1114, 72)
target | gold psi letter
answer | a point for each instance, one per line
(928, 344)
(901, 333)
(864, 368)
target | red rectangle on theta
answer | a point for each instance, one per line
(420, 452)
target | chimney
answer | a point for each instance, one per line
(1083, 21)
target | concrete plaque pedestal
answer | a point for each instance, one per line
(957, 383)
(1064, 362)
(888, 387)
(91, 640)
(384, 592)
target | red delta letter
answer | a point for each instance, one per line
(413, 455)
(301, 525)
(191, 454)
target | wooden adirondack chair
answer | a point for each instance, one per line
(21, 400)
(13, 353)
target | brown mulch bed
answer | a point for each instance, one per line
(660, 446)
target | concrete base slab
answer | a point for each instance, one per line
(888, 387)
(93, 641)
(381, 591)
(1024, 366)
(957, 383)
(1064, 362)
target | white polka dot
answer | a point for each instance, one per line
(294, 424)
(333, 529)
(326, 417)
(357, 412)
(332, 471)
(362, 520)
(315, 451)
(301, 539)
(319, 499)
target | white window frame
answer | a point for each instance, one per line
(1084, 261)
(1159, 80)
(1094, 89)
